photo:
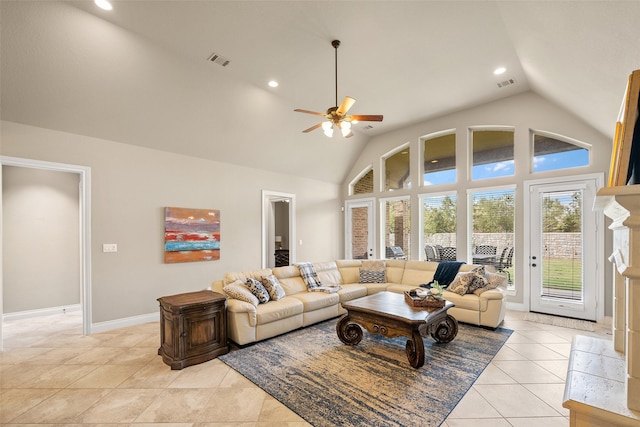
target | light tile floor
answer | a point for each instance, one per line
(52, 375)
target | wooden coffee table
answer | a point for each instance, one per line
(389, 315)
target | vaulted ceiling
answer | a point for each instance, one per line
(140, 74)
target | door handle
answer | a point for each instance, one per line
(533, 265)
(533, 257)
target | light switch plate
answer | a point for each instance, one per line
(109, 247)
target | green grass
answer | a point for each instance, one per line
(564, 274)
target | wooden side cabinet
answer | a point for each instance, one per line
(193, 328)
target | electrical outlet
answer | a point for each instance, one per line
(109, 247)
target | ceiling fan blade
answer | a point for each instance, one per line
(366, 117)
(314, 127)
(315, 113)
(347, 103)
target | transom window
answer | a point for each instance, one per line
(364, 184)
(550, 154)
(396, 170)
(439, 160)
(492, 153)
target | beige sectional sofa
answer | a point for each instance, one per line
(249, 323)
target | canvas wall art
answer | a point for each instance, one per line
(191, 235)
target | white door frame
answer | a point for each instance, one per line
(370, 203)
(85, 230)
(268, 224)
(598, 244)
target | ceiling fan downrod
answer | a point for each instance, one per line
(336, 44)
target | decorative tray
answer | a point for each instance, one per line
(418, 300)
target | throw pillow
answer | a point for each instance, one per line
(369, 276)
(257, 290)
(493, 281)
(273, 286)
(458, 286)
(374, 265)
(237, 290)
(475, 279)
(309, 275)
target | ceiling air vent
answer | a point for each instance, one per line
(217, 59)
(508, 82)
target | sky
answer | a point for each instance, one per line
(547, 162)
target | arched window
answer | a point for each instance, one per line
(439, 161)
(551, 153)
(396, 169)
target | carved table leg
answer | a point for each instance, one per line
(349, 333)
(446, 330)
(415, 350)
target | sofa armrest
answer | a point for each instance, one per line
(217, 286)
(492, 294)
(236, 307)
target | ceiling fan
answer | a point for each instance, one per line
(338, 115)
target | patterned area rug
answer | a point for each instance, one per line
(564, 322)
(371, 384)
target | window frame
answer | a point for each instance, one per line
(488, 128)
(383, 221)
(421, 217)
(562, 138)
(421, 147)
(383, 167)
(358, 177)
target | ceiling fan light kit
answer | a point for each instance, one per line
(337, 115)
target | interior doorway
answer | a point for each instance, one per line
(84, 262)
(278, 229)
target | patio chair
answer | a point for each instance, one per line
(505, 262)
(432, 253)
(448, 253)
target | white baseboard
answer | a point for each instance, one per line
(127, 321)
(41, 312)
(516, 306)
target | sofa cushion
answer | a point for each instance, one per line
(273, 286)
(349, 270)
(374, 265)
(244, 275)
(418, 272)
(290, 279)
(371, 276)
(328, 273)
(457, 286)
(256, 288)
(317, 300)
(466, 301)
(352, 291)
(475, 279)
(395, 270)
(237, 290)
(278, 310)
(309, 275)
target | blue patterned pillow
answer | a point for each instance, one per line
(309, 275)
(257, 290)
(369, 276)
(273, 286)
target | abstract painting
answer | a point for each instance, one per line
(191, 235)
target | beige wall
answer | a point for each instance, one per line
(40, 240)
(132, 185)
(523, 112)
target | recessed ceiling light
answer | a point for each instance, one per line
(499, 70)
(103, 4)
(273, 83)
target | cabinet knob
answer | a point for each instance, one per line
(184, 334)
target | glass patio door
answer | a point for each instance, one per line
(360, 229)
(563, 236)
